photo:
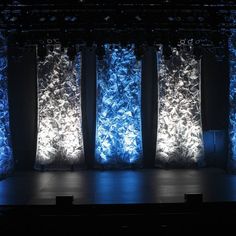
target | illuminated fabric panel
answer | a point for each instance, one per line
(118, 121)
(232, 100)
(6, 158)
(179, 132)
(60, 139)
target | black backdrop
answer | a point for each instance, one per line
(22, 83)
(22, 75)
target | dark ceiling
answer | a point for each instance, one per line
(85, 20)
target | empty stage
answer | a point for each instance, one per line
(117, 187)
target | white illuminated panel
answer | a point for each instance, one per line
(60, 139)
(179, 132)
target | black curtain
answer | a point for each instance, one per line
(22, 85)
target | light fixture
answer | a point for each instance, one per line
(100, 51)
(107, 18)
(13, 18)
(70, 18)
(171, 18)
(138, 18)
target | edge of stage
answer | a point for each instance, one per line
(122, 200)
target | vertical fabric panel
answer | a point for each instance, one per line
(118, 118)
(179, 132)
(6, 158)
(60, 139)
(232, 101)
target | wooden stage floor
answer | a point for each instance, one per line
(117, 187)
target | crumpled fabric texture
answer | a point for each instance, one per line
(6, 155)
(60, 138)
(179, 132)
(118, 120)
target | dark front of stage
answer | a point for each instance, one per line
(119, 201)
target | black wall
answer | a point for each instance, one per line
(149, 106)
(88, 84)
(215, 92)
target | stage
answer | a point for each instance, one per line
(147, 200)
(117, 187)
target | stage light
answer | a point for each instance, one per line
(6, 158)
(179, 132)
(52, 18)
(42, 19)
(70, 18)
(138, 18)
(107, 18)
(118, 121)
(60, 139)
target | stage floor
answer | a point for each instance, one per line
(118, 187)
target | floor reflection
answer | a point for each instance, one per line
(119, 187)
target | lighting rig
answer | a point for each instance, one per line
(98, 22)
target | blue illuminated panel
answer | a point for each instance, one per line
(6, 159)
(232, 117)
(118, 121)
